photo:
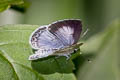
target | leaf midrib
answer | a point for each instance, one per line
(10, 62)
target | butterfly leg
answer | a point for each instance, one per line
(67, 56)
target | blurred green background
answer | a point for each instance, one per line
(101, 43)
(95, 14)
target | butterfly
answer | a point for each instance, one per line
(59, 38)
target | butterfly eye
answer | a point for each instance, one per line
(75, 50)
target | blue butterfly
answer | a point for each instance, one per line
(59, 38)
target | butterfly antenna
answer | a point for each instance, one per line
(85, 33)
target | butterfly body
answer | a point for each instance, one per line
(68, 50)
(59, 38)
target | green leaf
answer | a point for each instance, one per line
(58, 76)
(59, 64)
(3, 7)
(5, 4)
(15, 50)
(105, 47)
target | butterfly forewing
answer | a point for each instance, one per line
(68, 31)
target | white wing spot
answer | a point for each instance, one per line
(67, 30)
(67, 33)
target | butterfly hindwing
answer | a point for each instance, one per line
(42, 38)
(44, 42)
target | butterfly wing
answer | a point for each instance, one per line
(41, 38)
(48, 39)
(44, 42)
(67, 31)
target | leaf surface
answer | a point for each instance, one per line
(14, 53)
